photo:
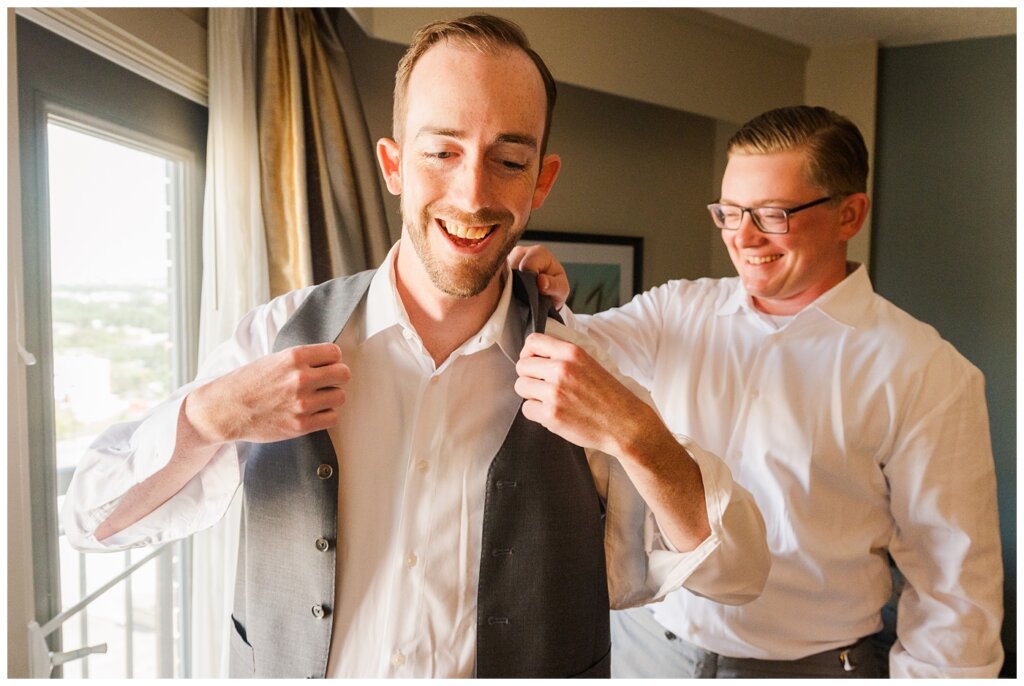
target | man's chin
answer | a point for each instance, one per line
(461, 285)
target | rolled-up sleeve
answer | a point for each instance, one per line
(126, 454)
(730, 566)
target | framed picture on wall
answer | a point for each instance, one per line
(604, 271)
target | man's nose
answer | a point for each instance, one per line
(748, 233)
(474, 188)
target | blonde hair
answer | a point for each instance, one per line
(483, 32)
(837, 159)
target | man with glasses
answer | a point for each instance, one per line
(862, 435)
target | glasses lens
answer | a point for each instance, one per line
(772, 219)
(726, 216)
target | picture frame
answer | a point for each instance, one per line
(604, 270)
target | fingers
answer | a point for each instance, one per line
(316, 366)
(328, 398)
(327, 376)
(534, 258)
(551, 278)
(543, 345)
(532, 388)
(515, 258)
(324, 419)
(315, 355)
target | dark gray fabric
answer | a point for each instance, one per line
(643, 648)
(543, 600)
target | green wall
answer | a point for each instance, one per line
(944, 238)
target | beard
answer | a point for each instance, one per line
(470, 274)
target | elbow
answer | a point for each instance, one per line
(750, 591)
(79, 534)
(747, 585)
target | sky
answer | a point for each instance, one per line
(108, 211)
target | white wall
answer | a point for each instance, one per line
(680, 58)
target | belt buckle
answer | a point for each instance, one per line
(844, 660)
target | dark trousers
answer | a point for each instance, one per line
(641, 647)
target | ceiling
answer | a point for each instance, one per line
(818, 27)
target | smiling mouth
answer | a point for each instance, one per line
(465, 236)
(761, 259)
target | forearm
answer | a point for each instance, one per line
(191, 454)
(646, 562)
(666, 477)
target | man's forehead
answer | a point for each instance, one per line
(766, 177)
(455, 87)
(454, 59)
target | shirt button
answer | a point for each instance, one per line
(398, 659)
(324, 471)
(422, 466)
(411, 560)
(753, 394)
(322, 544)
(319, 612)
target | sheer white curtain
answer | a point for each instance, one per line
(235, 280)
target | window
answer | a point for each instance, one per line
(112, 169)
(115, 213)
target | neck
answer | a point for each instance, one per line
(443, 322)
(797, 303)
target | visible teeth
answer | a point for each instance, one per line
(471, 232)
(762, 260)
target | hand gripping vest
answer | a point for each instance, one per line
(542, 603)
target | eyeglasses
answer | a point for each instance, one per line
(767, 219)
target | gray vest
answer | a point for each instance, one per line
(542, 602)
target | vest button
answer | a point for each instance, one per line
(324, 471)
(319, 611)
(322, 544)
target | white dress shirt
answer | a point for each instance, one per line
(414, 443)
(858, 430)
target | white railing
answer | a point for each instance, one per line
(42, 660)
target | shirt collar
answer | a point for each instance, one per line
(384, 309)
(843, 303)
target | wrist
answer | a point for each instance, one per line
(637, 438)
(197, 427)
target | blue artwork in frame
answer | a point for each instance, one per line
(604, 271)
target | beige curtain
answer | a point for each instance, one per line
(234, 282)
(322, 204)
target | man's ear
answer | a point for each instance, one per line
(853, 211)
(390, 160)
(549, 168)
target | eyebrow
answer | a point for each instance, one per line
(512, 138)
(763, 203)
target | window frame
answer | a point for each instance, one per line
(186, 283)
